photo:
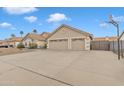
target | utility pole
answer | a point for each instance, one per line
(117, 27)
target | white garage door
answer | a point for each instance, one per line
(58, 44)
(78, 44)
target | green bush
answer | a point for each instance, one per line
(32, 46)
(45, 46)
(20, 46)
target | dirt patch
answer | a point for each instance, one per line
(8, 51)
(4, 51)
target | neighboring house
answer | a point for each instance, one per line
(114, 38)
(34, 38)
(45, 35)
(14, 41)
(121, 36)
(66, 37)
(4, 44)
(11, 42)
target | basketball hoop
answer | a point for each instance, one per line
(110, 18)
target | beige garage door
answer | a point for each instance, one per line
(78, 44)
(58, 44)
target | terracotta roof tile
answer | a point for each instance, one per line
(34, 36)
(114, 38)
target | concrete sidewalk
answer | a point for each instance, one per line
(47, 67)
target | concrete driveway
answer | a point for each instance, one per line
(49, 67)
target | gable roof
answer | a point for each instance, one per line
(4, 43)
(121, 35)
(15, 39)
(33, 36)
(45, 34)
(75, 29)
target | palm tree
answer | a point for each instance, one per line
(35, 31)
(21, 33)
(13, 35)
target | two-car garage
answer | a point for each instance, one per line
(68, 38)
(74, 44)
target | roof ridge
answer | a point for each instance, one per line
(73, 28)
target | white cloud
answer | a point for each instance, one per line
(19, 10)
(118, 18)
(57, 17)
(31, 19)
(103, 25)
(6, 25)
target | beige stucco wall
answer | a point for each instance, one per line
(65, 32)
(122, 38)
(87, 43)
(39, 43)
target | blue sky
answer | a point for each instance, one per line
(92, 20)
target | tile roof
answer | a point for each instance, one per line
(15, 39)
(114, 38)
(45, 34)
(34, 36)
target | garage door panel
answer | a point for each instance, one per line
(78, 44)
(58, 44)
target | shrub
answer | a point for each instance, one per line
(45, 46)
(32, 46)
(20, 46)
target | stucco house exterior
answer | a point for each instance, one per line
(14, 41)
(122, 36)
(11, 42)
(68, 38)
(4, 44)
(121, 39)
(34, 38)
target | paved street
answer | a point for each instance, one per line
(48, 67)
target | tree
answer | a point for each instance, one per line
(34, 31)
(13, 35)
(21, 33)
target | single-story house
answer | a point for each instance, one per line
(14, 41)
(34, 38)
(45, 34)
(11, 42)
(4, 44)
(66, 37)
